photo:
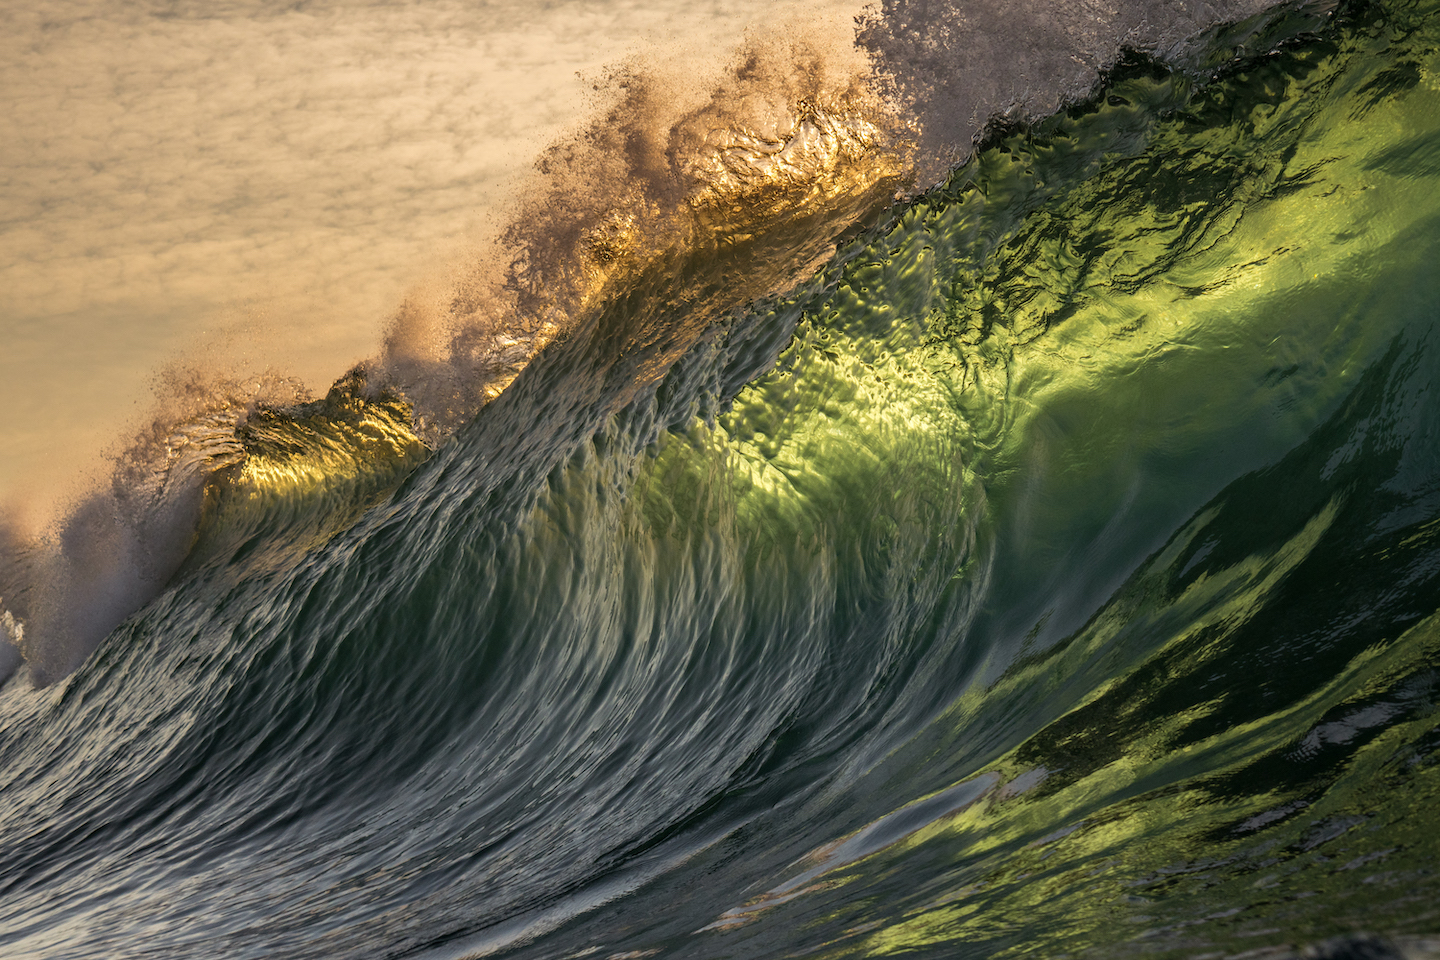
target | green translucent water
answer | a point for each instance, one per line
(1016, 391)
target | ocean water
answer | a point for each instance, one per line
(809, 531)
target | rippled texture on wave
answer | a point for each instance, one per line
(1054, 573)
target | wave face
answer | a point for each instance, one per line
(1054, 572)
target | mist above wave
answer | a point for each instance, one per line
(955, 65)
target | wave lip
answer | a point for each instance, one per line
(955, 66)
(118, 547)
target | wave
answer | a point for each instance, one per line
(686, 202)
(741, 560)
(695, 213)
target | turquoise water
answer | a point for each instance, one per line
(1052, 573)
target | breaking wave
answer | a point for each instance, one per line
(965, 488)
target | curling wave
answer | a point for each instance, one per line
(1044, 564)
